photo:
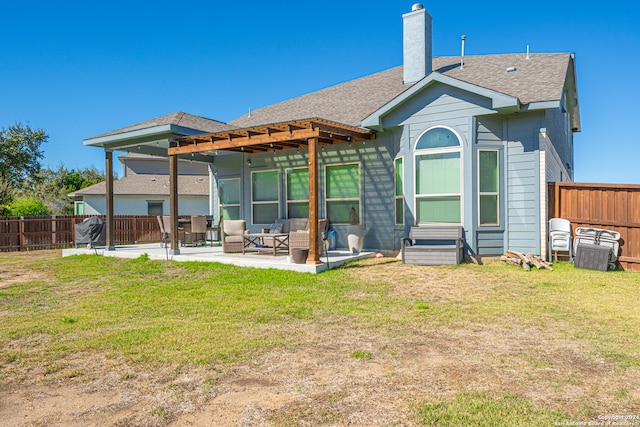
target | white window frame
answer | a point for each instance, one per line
(222, 205)
(359, 199)
(489, 193)
(421, 152)
(270, 202)
(286, 190)
(396, 196)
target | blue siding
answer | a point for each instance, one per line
(515, 136)
(440, 105)
(489, 134)
(489, 131)
(523, 183)
(561, 136)
(490, 242)
(376, 184)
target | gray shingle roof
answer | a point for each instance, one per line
(149, 185)
(346, 103)
(178, 118)
(540, 78)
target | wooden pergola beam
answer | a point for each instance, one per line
(244, 141)
(274, 134)
(314, 256)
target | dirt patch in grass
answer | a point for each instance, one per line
(12, 271)
(318, 381)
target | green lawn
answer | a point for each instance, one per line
(185, 315)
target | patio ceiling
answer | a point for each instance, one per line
(272, 137)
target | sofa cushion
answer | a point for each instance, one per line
(298, 224)
(234, 227)
(276, 227)
(233, 239)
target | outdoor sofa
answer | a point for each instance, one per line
(298, 231)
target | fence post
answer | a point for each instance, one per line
(53, 230)
(21, 232)
(557, 200)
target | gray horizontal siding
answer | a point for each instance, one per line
(376, 184)
(440, 105)
(489, 130)
(560, 134)
(490, 242)
(523, 201)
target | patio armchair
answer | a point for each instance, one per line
(231, 234)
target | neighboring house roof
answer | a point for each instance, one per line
(537, 79)
(178, 118)
(149, 185)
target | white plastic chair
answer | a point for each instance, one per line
(560, 237)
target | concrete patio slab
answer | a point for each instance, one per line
(214, 254)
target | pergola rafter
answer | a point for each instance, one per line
(296, 134)
(272, 137)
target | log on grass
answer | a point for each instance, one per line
(525, 261)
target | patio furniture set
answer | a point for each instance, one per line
(192, 231)
(590, 248)
(285, 236)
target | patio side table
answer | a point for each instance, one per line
(255, 242)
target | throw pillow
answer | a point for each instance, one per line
(275, 228)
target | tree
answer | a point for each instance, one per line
(20, 156)
(27, 206)
(53, 186)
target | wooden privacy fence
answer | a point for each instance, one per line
(57, 232)
(611, 206)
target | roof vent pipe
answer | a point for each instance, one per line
(462, 55)
(528, 52)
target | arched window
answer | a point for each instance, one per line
(438, 177)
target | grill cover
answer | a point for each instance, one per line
(91, 231)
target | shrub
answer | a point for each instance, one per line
(27, 206)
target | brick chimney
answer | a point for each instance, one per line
(417, 44)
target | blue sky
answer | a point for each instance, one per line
(79, 69)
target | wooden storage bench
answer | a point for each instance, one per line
(433, 245)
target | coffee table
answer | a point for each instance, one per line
(255, 242)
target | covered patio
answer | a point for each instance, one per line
(308, 135)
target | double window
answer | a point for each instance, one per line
(438, 177)
(342, 193)
(229, 196)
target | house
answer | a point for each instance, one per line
(144, 189)
(468, 140)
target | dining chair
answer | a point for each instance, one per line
(163, 230)
(560, 237)
(198, 230)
